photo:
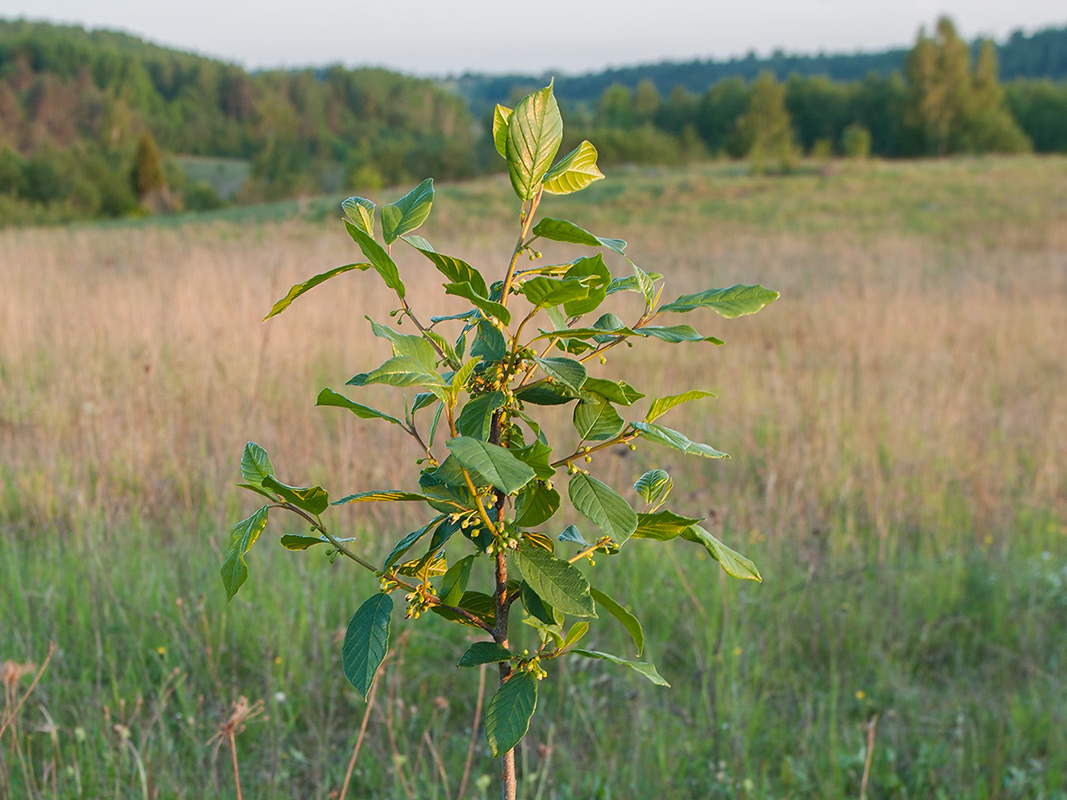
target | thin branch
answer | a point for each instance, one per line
(527, 220)
(601, 542)
(622, 438)
(431, 598)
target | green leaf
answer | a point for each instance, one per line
(537, 455)
(454, 584)
(292, 541)
(407, 213)
(736, 301)
(538, 539)
(328, 397)
(494, 464)
(662, 525)
(483, 653)
(545, 292)
(434, 423)
(489, 345)
(448, 472)
(258, 490)
(476, 418)
(535, 505)
(678, 441)
(457, 271)
(643, 668)
(402, 371)
(545, 394)
(654, 486)
(574, 635)
(571, 534)
(622, 392)
(422, 400)
(407, 543)
(452, 358)
(676, 334)
(501, 115)
(387, 496)
(538, 608)
(418, 242)
(560, 230)
(507, 717)
(574, 172)
(644, 283)
(242, 536)
(595, 418)
(534, 134)
(312, 499)
(379, 259)
(445, 531)
(557, 582)
(602, 506)
(553, 632)
(429, 565)
(567, 372)
(461, 375)
(493, 309)
(255, 464)
(628, 620)
(405, 344)
(661, 405)
(366, 642)
(361, 211)
(309, 284)
(731, 561)
(598, 278)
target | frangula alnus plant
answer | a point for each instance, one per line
(487, 470)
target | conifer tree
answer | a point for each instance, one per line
(148, 176)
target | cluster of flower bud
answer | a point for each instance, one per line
(533, 666)
(418, 602)
(501, 543)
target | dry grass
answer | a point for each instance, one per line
(134, 365)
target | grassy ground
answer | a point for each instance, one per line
(898, 424)
(225, 175)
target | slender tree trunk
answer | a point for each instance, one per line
(508, 784)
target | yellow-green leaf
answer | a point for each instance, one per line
(574, 172)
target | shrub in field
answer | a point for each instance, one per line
(856, 141)
(490, 480)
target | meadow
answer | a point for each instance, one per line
(897, 423)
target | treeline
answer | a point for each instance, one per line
(75, 105)
(91, 123)
(943, 101)
(1038, 56)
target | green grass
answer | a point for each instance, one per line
(896, 423)
(225, 175)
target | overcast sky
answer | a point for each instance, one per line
(440, 37)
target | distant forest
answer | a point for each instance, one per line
(76, 105)
(103, 124)
(1042, 55)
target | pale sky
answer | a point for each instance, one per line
(441, 37)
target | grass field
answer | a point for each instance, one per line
(898, 427)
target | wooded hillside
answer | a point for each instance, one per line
(74, 105)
